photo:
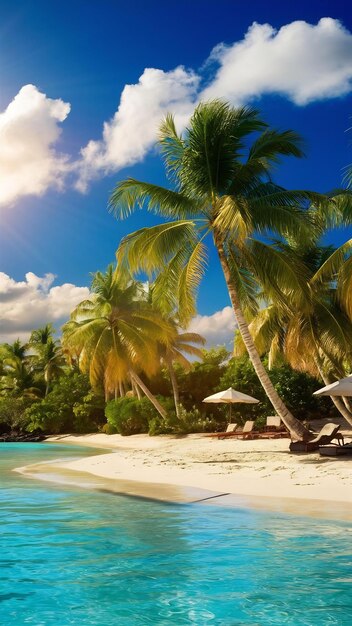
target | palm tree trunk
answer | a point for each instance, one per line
(347, 403)
(295, 427)
(174, 387)
(47, 380)
(149, 395)
(135, 389)
(342, 409)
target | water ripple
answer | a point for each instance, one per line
(73, 557)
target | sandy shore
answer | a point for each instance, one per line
(258, 468)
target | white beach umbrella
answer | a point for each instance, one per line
(341, 387)
(230, 396)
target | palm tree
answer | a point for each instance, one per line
(48, 358)
(17, 349)
(174, 352)
(17, 375)
(116, 334)
(41, 336)
(231, 197)
(52, 362)
(317, 337)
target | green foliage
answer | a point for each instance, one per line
(69, 407)
(12, 411)
(187, 422)
(109, 429)
(202, 380)
(295, 388)
(88, 413)
(130, 416)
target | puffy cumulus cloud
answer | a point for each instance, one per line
(218, 328)
(29, 129)
(31, 303)
(133, 129)
(301, 61)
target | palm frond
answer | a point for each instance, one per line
(344, 285)
(234, 217)
(132, 194)
(214, 141)
(329, 269)
(272, 144)
(245, 284)
(190, 278)
(172, 147)
(282, 275)
(150, 249)
(165, 285)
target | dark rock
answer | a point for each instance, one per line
(16, 437)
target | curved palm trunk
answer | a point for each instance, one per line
(149, 395)
(174, 387)
(342, 409)
(347, 403)
(295, 427)
(47, 380)
(135, 389)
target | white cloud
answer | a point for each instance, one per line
(218, 328)
(29, 129)
(300, 61)
(31, 303)
(133, 129)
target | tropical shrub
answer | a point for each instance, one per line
(187, 422)
(89, 413)
(12, 413)
(130, 416)
(66, 408)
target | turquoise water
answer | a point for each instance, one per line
(74, 557)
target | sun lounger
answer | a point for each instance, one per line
(273, 422)
(336, 450)
(231, 428)
(246, 432)
(325, 437)
(274, 428)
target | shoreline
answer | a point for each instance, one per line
(257, 473)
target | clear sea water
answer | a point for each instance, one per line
(69, 556)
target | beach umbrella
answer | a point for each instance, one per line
(341, 387)
(230, 396)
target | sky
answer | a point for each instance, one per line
(83, 88)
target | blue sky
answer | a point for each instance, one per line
(80, 56)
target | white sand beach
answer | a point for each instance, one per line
(261, 468)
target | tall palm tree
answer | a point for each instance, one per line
(175, 352)
(17, 349)
(17, 374)
(48, 358)
(317, 337)
(41, 336)
(52, 362)
(223, 189)
(116, 334)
